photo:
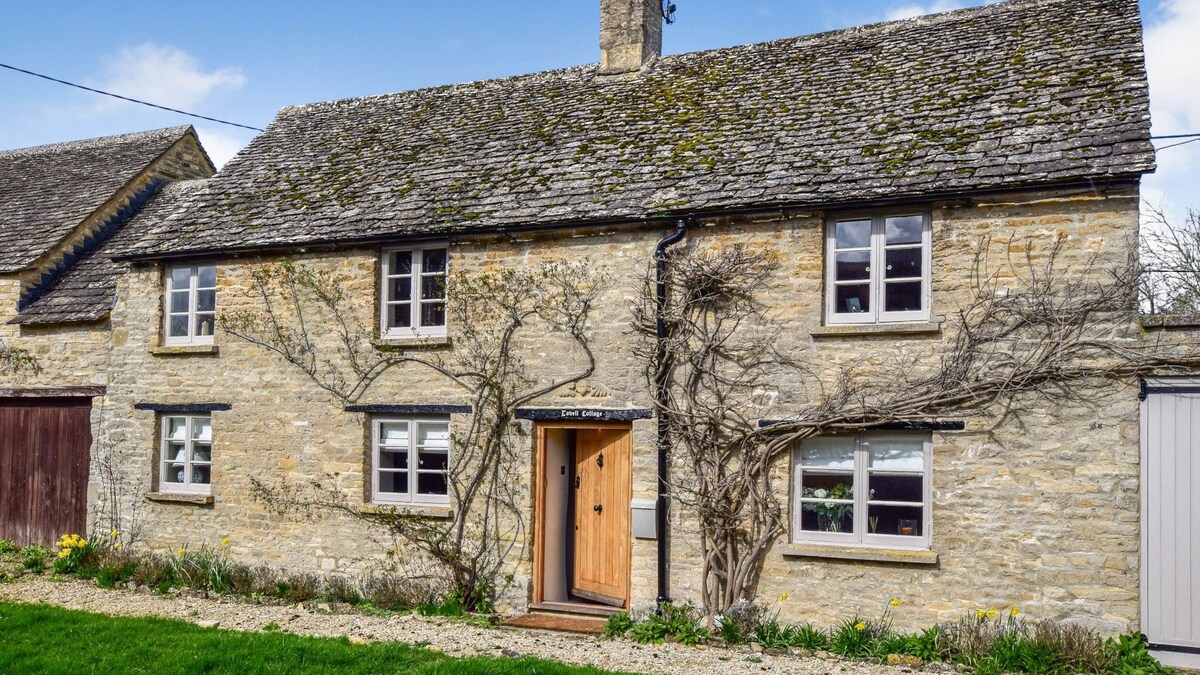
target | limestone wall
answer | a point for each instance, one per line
(1038, 512)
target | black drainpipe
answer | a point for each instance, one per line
(660, 392)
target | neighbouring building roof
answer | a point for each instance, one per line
(87, 291)
(48, 190)
(1014, 94)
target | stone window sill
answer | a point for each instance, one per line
(391, 344)
(184, 350)
(1170, 321)
(420, 510)
(892, 555)
(180, 498)
(873, 329)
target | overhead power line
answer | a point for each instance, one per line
(1176, 145)
(126, 98)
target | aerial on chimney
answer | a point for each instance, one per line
(630, 35)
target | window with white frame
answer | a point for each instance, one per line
(191, 305)
(414, 292)
(878, 269)
(410, 460)
(186, 454)
(870, 489)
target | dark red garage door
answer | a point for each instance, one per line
(44, 447)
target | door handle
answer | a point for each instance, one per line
(576, 482)
(600, 461)
(598, 508)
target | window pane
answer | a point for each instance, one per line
(175, 474)
(822, 517)
(830, 452)
(898, 454)
(178, 326)
(904, 229)
(906, 521)
(179, 301)
(393, 482)
(181, 278)
(903, 297)
(177, 428)
(393, 460)
(903, 262)
(401, 262)
(852, 299)
(202, 452)
(433, 288)
(176, 452)
(853, 266)
(206, 277)
(206, 301)
(433, 435)
(429, 460)
(205, 323)
(400, 316)
(393, 433)
(433, 314)
(894, 488)
(853, 234)
(827, 485)
(433, 260)
(202, 428)
(201, 474)
(431, 484)
(401, 288)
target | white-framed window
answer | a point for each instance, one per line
(414, 291)
(868, 489)
(186, 454)
(410, 460)
(878, 268)
(190, 305)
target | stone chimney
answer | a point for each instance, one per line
(630, 35)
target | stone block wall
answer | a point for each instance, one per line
(1038, 511)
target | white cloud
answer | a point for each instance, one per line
(1171, 61)
(164, 75)
(909, 11)
(221, 144)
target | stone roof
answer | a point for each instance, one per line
(87, 291)
(49, 190)
(1014, 94)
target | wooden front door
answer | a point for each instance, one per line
(44, 456)
(602, 520)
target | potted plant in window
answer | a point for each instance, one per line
(830, 515)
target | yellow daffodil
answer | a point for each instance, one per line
(895, 602)
(860, 626)
(113, 534)
(991, 613)
(225, 541)
(979, 614)
(117, 546)
(784, 597)
(180, 552)
(1014, 611)
(64, 553)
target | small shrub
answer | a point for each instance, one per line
(8, 548)
(729, 632)
(394, 593)
(448, 605)
(154, 571)
(342, 589)
(681, 622)
(923, 645)
(771, 635)
(617, 625)
(299, 587)
(1131, 656)
(744, 617)
(650, 630)
(34, 558)
(808, 637)
(106, 577)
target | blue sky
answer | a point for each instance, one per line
(242, 61)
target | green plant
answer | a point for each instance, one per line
(342, 589)
(923, 645)
(851, 638)
(1131, 656)
(739, 621)
(34, 557)
(271, 627)
(7, 547)
(729, 632)
(449, 605)
(769, 634)
(299, 587)
(681, 622)
(394, 593)
(106, 577)
(807, 636)
(617, 625)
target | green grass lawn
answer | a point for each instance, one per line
(40, 639)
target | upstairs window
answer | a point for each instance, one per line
(191, 305)
(414, 292)
(878, 269)
(186, 454)
(870, 489)
(410, 459)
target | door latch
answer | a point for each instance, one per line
(598, 508)
(600, 460)
(576, 482)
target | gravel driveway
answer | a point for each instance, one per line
(454, 638)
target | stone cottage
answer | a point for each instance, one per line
(61, 204)
(871, 163)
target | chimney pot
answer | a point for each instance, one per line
(630, 35)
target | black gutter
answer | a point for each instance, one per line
(1088, 186)
(660, 392)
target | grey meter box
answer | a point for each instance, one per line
(643, 519)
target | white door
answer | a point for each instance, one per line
(1170, 518)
